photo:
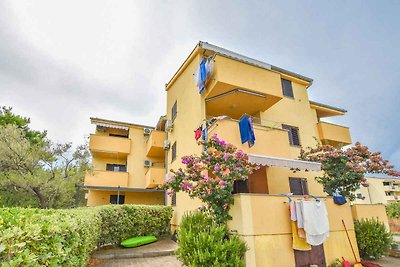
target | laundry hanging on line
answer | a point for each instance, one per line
(299, 241)
(246, 130)
(310, 223)
(203, 73)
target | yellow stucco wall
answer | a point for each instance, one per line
(368, 211)
(97, 197)
(263, 220)
(190, 113)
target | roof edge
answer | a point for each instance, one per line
(93, 119)
(327, 106)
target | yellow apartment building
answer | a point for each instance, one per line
(381, 190)
(285, 119)
(131, 160)
(128, 163)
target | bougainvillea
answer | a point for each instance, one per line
(211, 175)
(344, 169)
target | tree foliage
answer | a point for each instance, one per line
(48, 172)
(7, 117)
(211, 175)
(344, 169)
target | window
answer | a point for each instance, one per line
(294, 138)
(287, 88)
(174, 111)
(173, 200)
(386, 183)
(240, 186)
(173, 152)
(298, 186)
(119, 135)
(116, 167)
(117, 199)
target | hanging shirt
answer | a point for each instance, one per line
(316, 224)
(197, 134)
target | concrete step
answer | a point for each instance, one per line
(163, 247)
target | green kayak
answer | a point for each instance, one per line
(138, 241)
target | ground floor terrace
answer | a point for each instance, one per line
(109, 195)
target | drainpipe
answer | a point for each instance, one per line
(166, 169)
(118, 196)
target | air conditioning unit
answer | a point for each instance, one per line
(169, 126)
(147, 131)
(148, 163)
(166, 144)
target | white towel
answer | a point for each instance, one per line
(299, 214)
(316, 223)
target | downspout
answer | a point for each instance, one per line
(166, 169)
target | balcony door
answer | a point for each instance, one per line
(258, 182)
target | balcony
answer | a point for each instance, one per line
(155, 144)
(333, 134)
(155, 177)
(109, 145)
(107, 178)
(269, 140)
(238, 88)
(392, 198)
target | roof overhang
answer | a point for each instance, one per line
(324, 110)
(204, 48)
(116, 124)
(284, 163)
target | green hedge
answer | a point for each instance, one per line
(34, 237)
(393, 210)
(202, 242)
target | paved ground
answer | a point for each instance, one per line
(389, 262)
(163, 247)
(164, 261)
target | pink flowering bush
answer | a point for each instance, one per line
(210, 176)
(344, 169)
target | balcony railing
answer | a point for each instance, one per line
(109, 144)
(155, 144)
(333, 134)
(270, 140)
(155, 177)
(107, 178)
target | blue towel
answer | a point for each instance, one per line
(203, 75)
(244, 129)
(247, 131)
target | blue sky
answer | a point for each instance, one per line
(64, 61)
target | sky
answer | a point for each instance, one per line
(62, 62)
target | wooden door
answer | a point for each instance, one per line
(258, 182)
(315, 256)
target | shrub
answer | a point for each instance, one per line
(203, 242)
(373, 239)
(122, 221)
(34, 237)
(393, 210)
